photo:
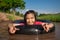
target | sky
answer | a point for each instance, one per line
(42, 6)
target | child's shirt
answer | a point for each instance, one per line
(38, 23)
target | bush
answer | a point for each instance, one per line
(11, 18)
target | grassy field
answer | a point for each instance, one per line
(51, 17)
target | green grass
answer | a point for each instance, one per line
(51, 17)
(10, 17)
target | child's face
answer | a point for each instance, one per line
(30, 19)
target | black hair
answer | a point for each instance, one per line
(28, 12)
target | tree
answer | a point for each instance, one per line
(8, 4)
(17, 13)
(41, 15)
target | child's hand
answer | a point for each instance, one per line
(17, 29)
(46, 27)
(12, 28)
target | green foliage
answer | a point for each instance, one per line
(51, 17)
(17, 13)
(41, 15)
(11, 17)
(8, 4)
(21, 15)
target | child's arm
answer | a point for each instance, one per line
(15, 24)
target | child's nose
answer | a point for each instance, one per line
(30, 20)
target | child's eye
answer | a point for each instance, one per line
(32, 17)
(27, 18)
